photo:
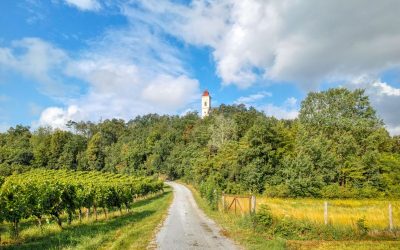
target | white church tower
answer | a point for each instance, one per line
(205, 104)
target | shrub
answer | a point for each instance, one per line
(361, 227)
(281, 190)
(369, 192)
(335, 191)
(263, 218)
(293, 229)
(208, 190)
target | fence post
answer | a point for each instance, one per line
(326, 212)
(253, 204)
(390, 217)
(223, 202)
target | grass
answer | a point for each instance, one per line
(240, 228)
(341, 212)
(343, 245)
(131, 230)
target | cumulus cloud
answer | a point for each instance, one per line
(306, 42)
(119, 89)
(58, 117)
(85, 5)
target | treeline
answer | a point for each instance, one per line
(337, 147)
(40, 193)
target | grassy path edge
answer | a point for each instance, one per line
(247, 239)
(153, 243)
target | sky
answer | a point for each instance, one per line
(64, 60)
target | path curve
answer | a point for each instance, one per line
(187, 227)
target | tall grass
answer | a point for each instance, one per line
(340, 212)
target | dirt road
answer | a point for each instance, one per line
(187, 227)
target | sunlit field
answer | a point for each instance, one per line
(340, 212)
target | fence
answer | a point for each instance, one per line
(376, 214)
(239, 203)
(390, 215)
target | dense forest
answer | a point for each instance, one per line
(337, 147)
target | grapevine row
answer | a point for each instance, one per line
(40, 192)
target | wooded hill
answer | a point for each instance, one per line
(337, 147)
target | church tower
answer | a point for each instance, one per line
(205, 104)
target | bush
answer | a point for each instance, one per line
(209, 191)
(369, 192)
(361, 227)
(292, 229)
(263, 218)
(281, 190)
(334, 191)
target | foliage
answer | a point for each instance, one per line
(337, 148)
(50, 192)
(263, 218)
(362, 228)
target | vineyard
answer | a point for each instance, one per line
(39, 193)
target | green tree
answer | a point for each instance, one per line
(95, 153)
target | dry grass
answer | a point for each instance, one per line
(341, 212)
(343, 245)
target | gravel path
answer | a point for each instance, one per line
(187, 227)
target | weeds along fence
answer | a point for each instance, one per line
(379, 215)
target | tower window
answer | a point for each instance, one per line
(205, 103)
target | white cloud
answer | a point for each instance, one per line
(305, 42)
(251, 99)
(129, 72)
(120, 89)
(124, 72)
(394, 130)
(58, 117)
(288, 110)
(85, 5)
(170, 92)
(39, 60)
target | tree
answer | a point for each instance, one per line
(224, 129)
(94, 153)
(16, 148)
(40, 142)
(347, 136)
(58, 141)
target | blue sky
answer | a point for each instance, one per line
(66, 60)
